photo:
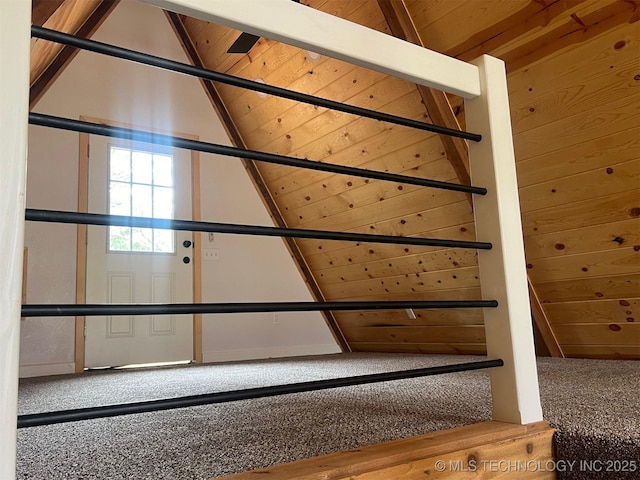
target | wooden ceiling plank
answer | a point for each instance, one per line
(533, 16)
(599, 334)
(623, 261)
(430, 348)
(626, 310)
(591, 211)
(41, 10)
(436, 102)
(327, 255)
(600, 152)
(424, 334)
(186, 42)
(40, 86)
(442, 317)
(601, 352)
(606, 287)
(593, 238)
(615, 178)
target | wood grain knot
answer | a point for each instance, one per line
(615, 328)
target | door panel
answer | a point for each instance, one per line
(117, 273)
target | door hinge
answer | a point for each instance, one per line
(88, 150)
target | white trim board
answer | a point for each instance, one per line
(46, 369)
(310, 29)
(263, 353)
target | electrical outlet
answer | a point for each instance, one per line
(211, 254)
(276, 319)
(211, 237)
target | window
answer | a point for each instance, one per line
(140, 185)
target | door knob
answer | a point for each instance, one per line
(186, 259)
(186, 243)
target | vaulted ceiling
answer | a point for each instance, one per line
(574, 84)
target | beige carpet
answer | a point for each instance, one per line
(593, 404)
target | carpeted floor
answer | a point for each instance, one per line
(593, 404)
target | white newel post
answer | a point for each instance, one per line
(514, 387)
(15, 23)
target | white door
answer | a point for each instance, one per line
(134, 265)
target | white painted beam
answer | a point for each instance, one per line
(311, 29)
(509, 332)
(15, 23)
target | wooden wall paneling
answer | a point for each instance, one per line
(303, 123)
(569, 66)
(358, 197)
(373, 144)
(254, 174)
(581, 97)
(404, 161)
(615, 178)
(618, 352)
(595, 238)
(424, 334)
(598, 334)
(334, 129)
(595, 311)
(441, 317)
(599, 152)
(454, 348)
(407, 283)
(472, 293)
(624, 261)
(594, 288)
(49, 60)
(576, 129)
(383, 210)
(428, 261)
(325, 254)
(602, 56)
(591, 211)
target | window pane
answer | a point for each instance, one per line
(163, 170)
(162, 202)
(141, 167)
(120, 239)
(141, 239)
(163, 241)
(119, 198)
(119, 165)
(141, 201)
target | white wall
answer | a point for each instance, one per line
(249, 269)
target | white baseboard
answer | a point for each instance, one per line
(46, 369)
(262, 353)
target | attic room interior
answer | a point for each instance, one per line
(570, 346)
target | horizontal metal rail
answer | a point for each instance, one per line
(56, 216)
(177, 142)
(91, 310)
(77, 414)
(152, 60)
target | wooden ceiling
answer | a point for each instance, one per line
(574, 83)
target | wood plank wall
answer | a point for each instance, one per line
(576, 122)
(317, 200)
(575, 118)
